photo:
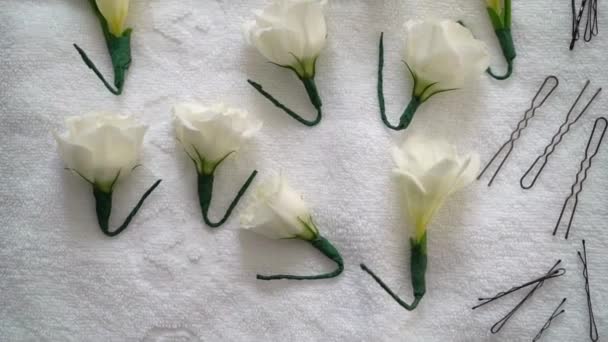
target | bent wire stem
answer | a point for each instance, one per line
(325, 247)
(313, 95)
(502, 29)
(205, 191)
(120, 53)
(409, 307)
(418, 264)
(508, 51)
(103, 207)
(408, 113)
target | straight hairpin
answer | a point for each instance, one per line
(593, 334)
(548, 86)
(554, 315)
(530, 177)
(552, 273)
(591, 151)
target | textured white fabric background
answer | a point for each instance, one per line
(170, 278)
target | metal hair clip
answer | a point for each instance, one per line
(592, 149)
(547, 88)
(591, 27)
(593, 334)
(554, 272)
(529, 178)
(554, 315)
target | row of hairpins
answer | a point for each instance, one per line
(529, 178)
(591, 25)
(554, 272)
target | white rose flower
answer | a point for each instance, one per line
(290, 33)
(279, 212)
(101, 147)
(430, 170)
(443, 55)
(115, 13)
(210, 134)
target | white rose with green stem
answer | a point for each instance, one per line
(291, 35)
(103, 149)
(277, 211)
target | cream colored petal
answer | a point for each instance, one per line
(76, 157)
(115, 12)
(276, 211)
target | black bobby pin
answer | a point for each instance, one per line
(554, 315)
(593, 334)
(590, 152)
(539, 164)
(548, 86)
(553, 273)
(591, 26)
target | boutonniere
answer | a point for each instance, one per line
(278, 212)
(209, 135)
(429, 171)
(441, 56)
(500, 15)
(112, 15)
(291, 34)
(103, 149)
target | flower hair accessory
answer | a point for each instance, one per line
(278, 212)
(429, 171)
(500, 15)
(209, 135)
(291, 34)
(112, 15)
(441, 56)
(103, 149)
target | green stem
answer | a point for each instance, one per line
(103, 207)
(409, 111)
(418, 264)
(120, 53)
(508, 50)
(313, 95)
(325, 247)
(205, 191)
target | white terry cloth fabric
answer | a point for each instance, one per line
(170, 278)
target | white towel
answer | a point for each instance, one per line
(170, 278)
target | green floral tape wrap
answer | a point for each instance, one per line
(325, 247)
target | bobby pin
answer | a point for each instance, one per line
(593, 334)
(590, 152)
(540, 162)
(591, 27)
(548, 86)
(554, 315)
(553, 272)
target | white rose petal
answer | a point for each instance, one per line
(289, 32)
(430, 171)
(209, 134)
(278, 212)
(443, 52)
(115, 12)
(101, 147)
